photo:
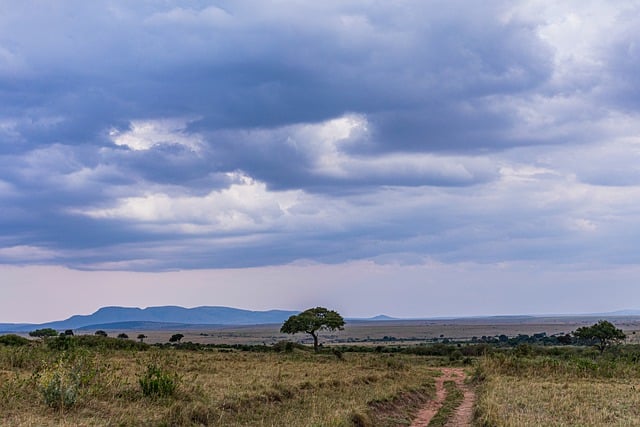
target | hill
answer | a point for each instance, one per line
(134, 316)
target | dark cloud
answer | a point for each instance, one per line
(156, 135)
(249, 67)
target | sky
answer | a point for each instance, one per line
(412, 158)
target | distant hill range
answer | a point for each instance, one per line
(177, 318)
(165, 317)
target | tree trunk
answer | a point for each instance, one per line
(315, 341)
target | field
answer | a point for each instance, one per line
(371, 374)
(44, 387)
(571, 390)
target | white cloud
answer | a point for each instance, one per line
(246, 205)
(145, 134)
(190, 18)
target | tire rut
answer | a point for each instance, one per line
(463, 414)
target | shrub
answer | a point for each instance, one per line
(358, 419)
(156, 382)
(287, 346)
(58, 386)
(455, 356)
(14, 340)
(523, 350)
(101, 342)
(62, 342)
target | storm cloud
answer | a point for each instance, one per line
(184, 135)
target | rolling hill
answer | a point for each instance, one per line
(158, 316)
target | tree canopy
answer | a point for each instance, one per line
(176, 337)
(313, 320)
(603, 334)
(45, 332)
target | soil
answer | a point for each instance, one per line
(463, 414)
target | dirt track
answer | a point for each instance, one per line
(463, 414)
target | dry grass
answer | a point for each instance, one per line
(216, 388)
(576, 392)
(509, 401)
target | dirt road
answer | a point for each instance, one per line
(463, 414)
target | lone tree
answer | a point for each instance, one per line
(141, 337)
(44, 333)
(313, 320)
(176, 338)
(100, 333)
(603, 335)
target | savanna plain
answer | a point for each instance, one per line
(370, 374)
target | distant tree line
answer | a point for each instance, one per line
(602, 335)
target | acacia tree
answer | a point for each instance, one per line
(603, 334)
(313, 320)
(44, 333)
(176, 338)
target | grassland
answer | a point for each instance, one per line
(214, 387)
(370, 381)
(565, 389)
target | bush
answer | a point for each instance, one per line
(57, 393)
(287, 346)
(62, 342)
(102, 342)
(358, 419)
(455, 356)
(157, 382)
(60, 383)
(13, 340)
(523, 350)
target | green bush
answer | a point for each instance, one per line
(62, 342)
(61, 383)
(106, 343)
(58, 386)
(13, 340)
(455, 356)
(156, 382)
